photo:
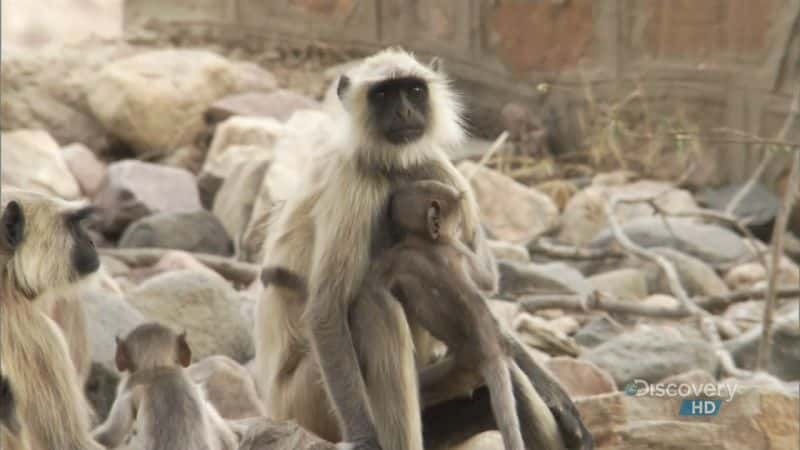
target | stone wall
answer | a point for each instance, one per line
(730, 63)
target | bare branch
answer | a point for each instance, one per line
(794, 109)
(778, 233)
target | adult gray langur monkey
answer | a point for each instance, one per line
(43, 250)
(342, 364)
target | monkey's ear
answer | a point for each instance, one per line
(123, 357)
(184, 352)
(342, 86)
(13, 225)
(436, 64)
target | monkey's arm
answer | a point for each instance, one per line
(119, 422)
(338, 252)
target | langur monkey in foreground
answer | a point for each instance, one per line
(438, 280)
(170, 410)
(43, 251)
(343, 363)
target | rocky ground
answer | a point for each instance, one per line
(187, 150)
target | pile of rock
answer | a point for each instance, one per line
(187, 152)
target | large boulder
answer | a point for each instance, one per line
(584, 215)
(134, 189)
(597, 331)
(581, 378)
(32, 160)
(710, 243)
(511, 211)
(204, 306)
(196, 231)
(651, 355)
(109, 316)
(47, 90)
(784, 358)
(155, 101)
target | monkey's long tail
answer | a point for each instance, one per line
(285, 278)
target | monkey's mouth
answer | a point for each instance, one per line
(404, 135)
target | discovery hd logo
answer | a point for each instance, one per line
(715, 395)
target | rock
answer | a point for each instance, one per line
(710, 243)
(603, 415)
(565, 324)
(134, 189)
(661, 301)
(529, 278)
(584, 215)
(258, 136)
(745, 314)
(747, 275)
(511, 211)
(697, 277)
(759, 205)
(694, 377)
(205, 306)
(101, 389)
(109, 316)
(88, 171)
(155, 101)
(784, 359)
(624, 284)
(539, 334)
(237, 196)
(615, 178)
(488, 440)
(581, 378)
(597, 331)
(278, 105)
(509, 252)
(196, 231)
(228, 386)
(560, 191)
(651, 355)
(757, 418)
(32, 160)
(505, 312)
(266, 434)
(47, 90)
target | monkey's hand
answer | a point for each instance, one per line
(366, 444)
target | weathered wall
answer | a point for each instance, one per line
(733, 63)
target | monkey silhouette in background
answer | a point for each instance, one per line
(168, 408)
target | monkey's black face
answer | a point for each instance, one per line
(84, 256)
(399, 108)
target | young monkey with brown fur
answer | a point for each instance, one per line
(438, 280)
(169, 409)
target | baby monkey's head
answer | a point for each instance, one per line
(429, 209)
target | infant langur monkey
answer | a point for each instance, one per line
(438, 280)
(170, 411)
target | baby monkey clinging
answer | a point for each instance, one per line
(438, 280)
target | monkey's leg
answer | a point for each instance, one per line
(498, 379)
(119, 422)
(573, 432)
(443, 380)
(539, 428)
(384, 343)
